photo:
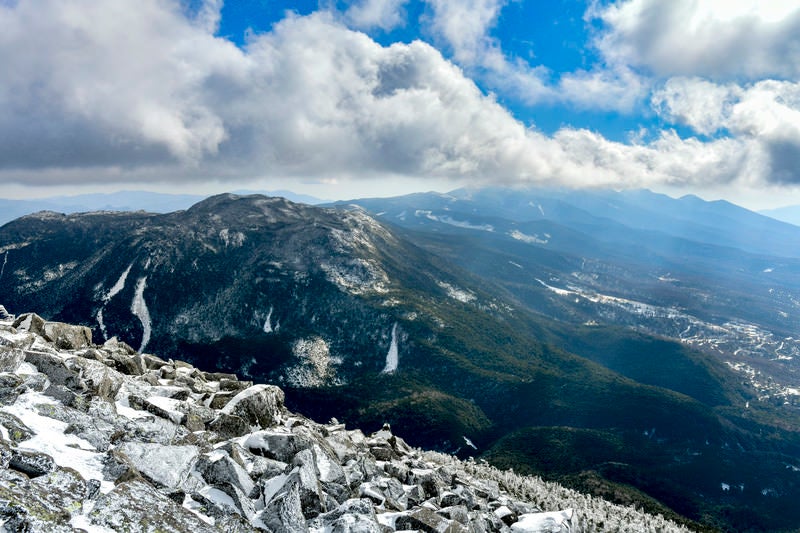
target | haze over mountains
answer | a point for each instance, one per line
(627, 344)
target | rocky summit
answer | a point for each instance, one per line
(102, 438)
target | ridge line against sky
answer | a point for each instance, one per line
(357, 98)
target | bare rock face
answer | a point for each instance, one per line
(103, 438)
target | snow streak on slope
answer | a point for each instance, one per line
(101, 323)
(446, 219)
(530, 239)
(391, 356)
(118, 286)
(268, 322)
(3, 268)
(113, 291)
(139, 309)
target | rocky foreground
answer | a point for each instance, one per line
(105, 439)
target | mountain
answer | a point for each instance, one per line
(789, 214)
(121, 201)
(373, 323)
(100, 438)
(710, 274)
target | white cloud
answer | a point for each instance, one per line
(717, 39)
(698, 103)
(88, 83)
(465, 25)
(369, 14)
(765, 115)
(124, 91)
(611, 89)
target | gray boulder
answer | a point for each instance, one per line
(136, 506)
(10, 358)
(283, 512)
(166, 466)
(32, 464)
(67, 336)
(259, 405)
(30, 322)
(218, 469)
(278, 443)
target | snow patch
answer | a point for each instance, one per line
(101, 324)
(50, 438)
(3, 268)
(392, 358)
(119, 285)
(469, 442)
(231, 239)
(268, 322)
(358, 276)
(456, 293)
(446, 219)
(316, 367)
(529, 239)
(552, 521)
(139, 309)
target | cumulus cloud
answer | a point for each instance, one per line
(370, 14)
(88, 83)
(695, 102)
(765, 115)
(606, 89)
(720, 39)
(120, 90)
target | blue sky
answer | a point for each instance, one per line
(345, 98)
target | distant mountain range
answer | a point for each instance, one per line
(533, 325)
(121, 201)
(790, 214)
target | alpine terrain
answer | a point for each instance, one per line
(101, 438)
(469, 330)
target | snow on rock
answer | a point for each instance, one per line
(392, 355)
(49, 436)
(357, 276)
(259, 405)
(552, 522)
(315, 367)
(162, 446)
(456, 293)
(166, 466)
(139, 309)
(232, 239)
